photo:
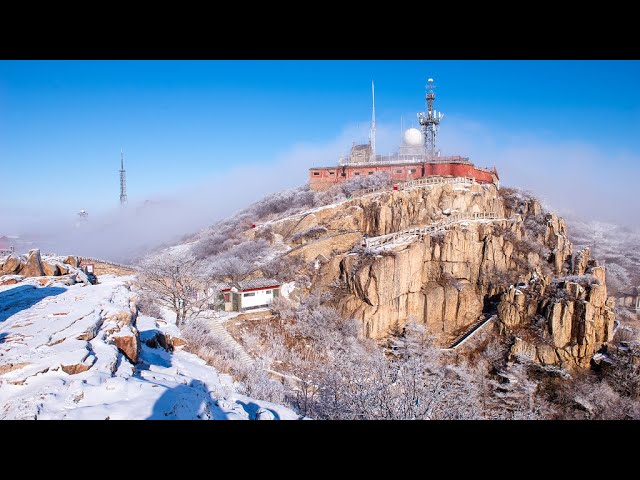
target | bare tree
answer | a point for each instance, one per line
(175, 281)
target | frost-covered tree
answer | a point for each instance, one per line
(175, 281)
(378, 179)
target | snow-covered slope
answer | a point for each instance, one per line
(617, 247)
(58, 360)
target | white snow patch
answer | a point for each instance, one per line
(44, 328)
(287, 288)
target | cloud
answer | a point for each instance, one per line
(123, 234)
(571, 177)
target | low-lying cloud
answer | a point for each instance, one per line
(571, 177)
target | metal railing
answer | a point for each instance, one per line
(399, 160)
(420, 232)
(107, 262)
(420, 183)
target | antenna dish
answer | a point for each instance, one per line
(430, 80)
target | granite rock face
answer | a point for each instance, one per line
(513, 267)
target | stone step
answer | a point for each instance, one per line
(220, 332)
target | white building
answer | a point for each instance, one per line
(247, 294)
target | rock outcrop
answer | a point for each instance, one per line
(11, 265)
(560, 322)
(445, 280)
(387, 212)
(450, 278)
(33, 265)
(50, 270)
(120, 327)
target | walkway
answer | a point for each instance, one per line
(420, 232)
(219, 331)
(475, 328)
(420, 183)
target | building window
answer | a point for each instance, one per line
(267, 292)
(399, 170)
(332, 173)
(316, 174)
(412, 170)
(370, 173)
(357, 173)
(250, 294)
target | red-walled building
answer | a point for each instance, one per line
(322, 178)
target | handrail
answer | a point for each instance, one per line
(107, 262)
(428, 229)
(421, 182)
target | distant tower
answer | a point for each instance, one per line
(83, 215)
(430, 122)
(123, 180)
(372, 134)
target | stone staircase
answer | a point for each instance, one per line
(220, 332)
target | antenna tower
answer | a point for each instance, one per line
(430, 122)
(123, 180)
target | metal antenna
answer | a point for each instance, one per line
(123, 180)
(372, 135)
(430, 121)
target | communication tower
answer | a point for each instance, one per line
(123, 180)
(430, 121)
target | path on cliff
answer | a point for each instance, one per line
(419, 232)
(475, 328)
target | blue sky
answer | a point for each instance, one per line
(186, 123)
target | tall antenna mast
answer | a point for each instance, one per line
(430, 121)
(372, 135)
(123, 180)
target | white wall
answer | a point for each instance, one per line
(260, 298)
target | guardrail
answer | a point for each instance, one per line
(403, 159)
(107, 262)
(419, 183)
(420, 232)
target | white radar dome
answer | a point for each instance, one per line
(413, 136)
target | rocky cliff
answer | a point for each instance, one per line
(560, 321)
(450, 278)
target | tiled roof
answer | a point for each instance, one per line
(256, 283)
(246, 284)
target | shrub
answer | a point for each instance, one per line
(378, 179)
(312, 233)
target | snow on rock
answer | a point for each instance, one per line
(68, 352)
(287, 288)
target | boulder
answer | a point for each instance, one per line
(10, 279)
(120, 326)
(50, 270)
(76, 368)
(129, 346)
(12, 265)
(80, 276)
(33, 265)
(72, 260)
(62, 268)
(176, 341)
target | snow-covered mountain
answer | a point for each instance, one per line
(615, 246)
(65, 354)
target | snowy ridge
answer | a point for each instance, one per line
(58, 361)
